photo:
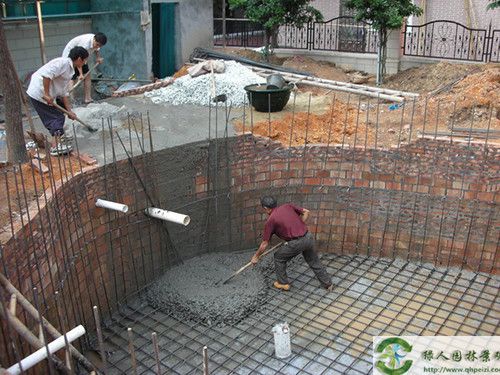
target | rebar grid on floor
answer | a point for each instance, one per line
(424, 299)
(331, 333)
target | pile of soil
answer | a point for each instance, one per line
(429, 77)
(339, 124)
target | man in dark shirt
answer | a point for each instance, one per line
(288, 223)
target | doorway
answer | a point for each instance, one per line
(163, 20)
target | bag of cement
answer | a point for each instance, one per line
(205, 67)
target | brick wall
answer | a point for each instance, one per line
(430, 201)
(24, 44)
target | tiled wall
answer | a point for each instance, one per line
(24, 45)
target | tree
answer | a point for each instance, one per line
(9, 85)
(494, 4)
(384, 15)
(272, 14)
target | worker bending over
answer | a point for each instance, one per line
(92, 43)
(49, 85)
(288, 223)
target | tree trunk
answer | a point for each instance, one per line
(13, 116)
(381, 55)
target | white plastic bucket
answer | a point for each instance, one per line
(282, 346)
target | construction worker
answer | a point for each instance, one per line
(288, 223)
(92, 43)
(49, 85)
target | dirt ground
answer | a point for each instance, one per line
(452, 95)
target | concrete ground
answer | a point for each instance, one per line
(331, 333)
(170, 126)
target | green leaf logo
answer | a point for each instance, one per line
(389, 361)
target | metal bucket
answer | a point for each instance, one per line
(275, 81)
(282, 345)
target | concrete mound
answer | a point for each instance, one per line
(194, 290)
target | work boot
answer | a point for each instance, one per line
(285, 287)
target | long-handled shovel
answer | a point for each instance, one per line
(250, 263)
(89, 128)
(85, 76)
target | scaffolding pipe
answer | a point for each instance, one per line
(111, 205)
(171, 216)
(41, 354)
(30, 309)
(41, 34)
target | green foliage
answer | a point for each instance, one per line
(383, 14)
(494, 4)
(274, 13)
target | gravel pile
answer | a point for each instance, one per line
(198, 90)
(194, 291)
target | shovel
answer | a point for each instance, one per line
(219, 98)
(85, 76)
(89, 128)
(249, 264)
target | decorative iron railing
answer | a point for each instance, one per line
(451, 40)
(338, 34)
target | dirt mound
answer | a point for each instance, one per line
(337, 125)
(472, 99)
(430, 77)
(321, 69)
(254, 55)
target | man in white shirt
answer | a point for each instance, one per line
(92, 43)
(49, 84)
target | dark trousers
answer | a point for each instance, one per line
(290, 250)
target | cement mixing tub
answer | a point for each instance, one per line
(265, 99)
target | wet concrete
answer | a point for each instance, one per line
(194, 290)
(170, 126)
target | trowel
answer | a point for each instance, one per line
(249, 264)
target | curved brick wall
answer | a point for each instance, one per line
(405, 203)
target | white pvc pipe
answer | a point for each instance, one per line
(111, 205)
(174, 217)
(41, 354)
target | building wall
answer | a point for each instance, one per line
(473, 13)
(125, 54)
(195, 27)
(24, 42)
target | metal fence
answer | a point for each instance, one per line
(338, 34)
(445, 39)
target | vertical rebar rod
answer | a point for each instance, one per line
(205, 361)
(132, 350)
(43, 335)
(92, 231)
(109, 234)
(375, 153)
(62, 328)
(32, 236)
(304, 153)
(156, 349)
(64, 248)
(100, 340)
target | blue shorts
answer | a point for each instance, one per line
(51, 117)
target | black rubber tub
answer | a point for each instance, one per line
(265, 99)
